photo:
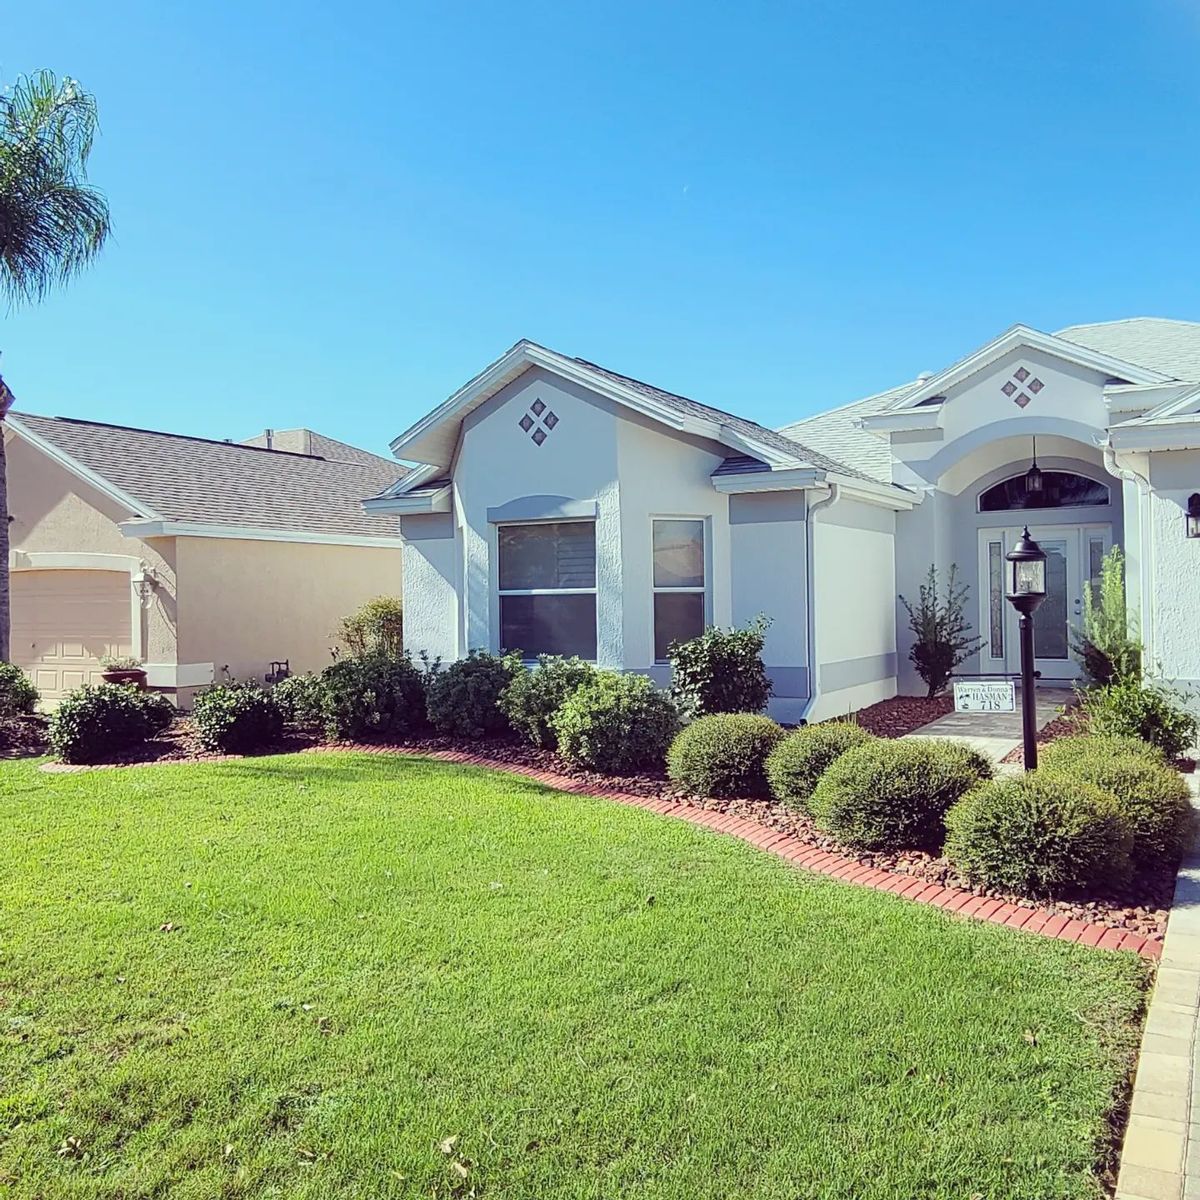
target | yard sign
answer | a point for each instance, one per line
(994, 696)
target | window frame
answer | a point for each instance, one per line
(988, 512)
(500, 592)
(705, 590)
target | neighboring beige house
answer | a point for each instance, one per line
(189, 554)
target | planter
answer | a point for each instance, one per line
(137, 677)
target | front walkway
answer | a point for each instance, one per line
(995, 734)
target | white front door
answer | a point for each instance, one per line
(1073, 557)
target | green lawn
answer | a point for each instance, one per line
(372, 956)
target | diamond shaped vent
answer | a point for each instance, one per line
(538, 422)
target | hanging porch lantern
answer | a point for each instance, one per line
(1033, 477)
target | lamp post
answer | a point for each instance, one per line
(1026, 590)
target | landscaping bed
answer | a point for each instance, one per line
(902, 714)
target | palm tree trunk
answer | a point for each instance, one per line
(6, 401)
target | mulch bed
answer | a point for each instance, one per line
(902, 714)
(1071, 722)
(24, 737)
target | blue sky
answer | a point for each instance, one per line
(333, 215)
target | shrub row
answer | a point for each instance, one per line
(96, 721)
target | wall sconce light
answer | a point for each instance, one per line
(1193, 515)
(144, 583)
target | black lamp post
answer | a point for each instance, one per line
(1026, 590)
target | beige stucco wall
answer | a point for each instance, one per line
(53, 510)
(244, 603)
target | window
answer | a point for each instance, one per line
(548, 588)
(1060, 489)
(995, 599)
(679, 590)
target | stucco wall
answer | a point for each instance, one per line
(431, 583)
(54, 511)
(243, 603)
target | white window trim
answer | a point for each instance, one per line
(500, 592)
(705, 590)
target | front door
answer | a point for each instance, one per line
(1073, 557)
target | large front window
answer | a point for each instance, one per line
(679, 588)
(548, 588)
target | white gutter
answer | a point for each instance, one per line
(814, 687)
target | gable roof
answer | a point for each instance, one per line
(431, 440)
(1157, 343)
(197, 481)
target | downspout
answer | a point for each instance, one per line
(814, 687)
(1145, 604)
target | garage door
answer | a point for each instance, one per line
(63, 622)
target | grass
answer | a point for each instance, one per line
(355, 976)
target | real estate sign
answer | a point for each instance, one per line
(993, 696)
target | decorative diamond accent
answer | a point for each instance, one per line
(539, 436)
(537, 407)
(1021, 374)
(526, 422)
(1009, 388)
(550, 420)
(1035, 386)
(1022, 400)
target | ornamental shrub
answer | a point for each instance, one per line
(1130, 708)
(463, 699)
(616, 723)
(721, 671)
(237, 718)
(1065, 752)
(372, 695)
(724, 755)
(1039, 834)
(376, 628)
(941, 632)
(796, 765)
(17, 693)
(1107, 645)
(95, 722)
(532, 697)
(894, 795)
(1151, 796)
(159, 711)
(301, 699)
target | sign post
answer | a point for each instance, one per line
(990, 696)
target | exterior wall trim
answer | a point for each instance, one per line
(243, 533)
(853, 672)
(544, 508)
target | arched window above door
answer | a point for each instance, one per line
(1060, 489)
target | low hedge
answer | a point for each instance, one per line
(95, 722)
(367, 696)
(301, 699)
(894, 794)
(724, 755)
(1064, 752)
(463, 699)
(237, 718)
(1151, 712)
(796, 765)
(158, 710)
(616, 723)
(1039, 834)
(18, 696)
(533, 697)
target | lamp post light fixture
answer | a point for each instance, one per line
(1193, 515)
(1026, 589)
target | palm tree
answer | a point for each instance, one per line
(52, 221)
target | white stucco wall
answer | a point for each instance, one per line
(430, 582)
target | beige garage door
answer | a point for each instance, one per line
(63, 622)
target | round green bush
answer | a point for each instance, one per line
(796, 765)
(1039, 834)
(1148, 711)
(237, 718)
(616, 723)
(533, 697)
(159, 711)
(1063, 752)
(463, 699)
(18, 696)
(98, 721)
(1151, 796)
(367, 696)
(301, 699)
(894, 795)
(724, 755)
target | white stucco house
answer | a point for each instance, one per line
(557, 506)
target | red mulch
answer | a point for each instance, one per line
(902, 714)
(1071, 722)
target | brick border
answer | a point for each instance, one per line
(1041, 921)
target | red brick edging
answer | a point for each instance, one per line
(789, 847)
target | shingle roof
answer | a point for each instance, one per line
(193, 479)
(1156, 343)
(837, 433)
(308, 441)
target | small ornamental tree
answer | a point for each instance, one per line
(721, 671)
(1105, 644)
(376, 628)
(943, 633)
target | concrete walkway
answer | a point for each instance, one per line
(995, 734)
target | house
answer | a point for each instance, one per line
(559, 506)
(189, 554)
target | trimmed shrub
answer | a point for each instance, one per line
(724, 755)
(376, 628)
(616, 723)
(721, 671)
(1039, 834)
(367, 696)
(301, 699)
(17, 693)
(1133, 709)
(894, 795)
(97, 721)
(533, 697)
(236, 718)
(1065, 752)
(796, 765)
(159, 711)
(1151, 796)
(463, 699)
